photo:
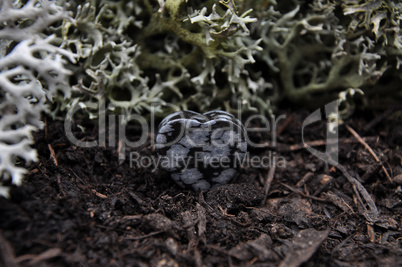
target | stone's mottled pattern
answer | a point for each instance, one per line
(202, 151)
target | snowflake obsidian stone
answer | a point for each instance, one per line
(201, 150)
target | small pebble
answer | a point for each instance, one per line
(201, 151)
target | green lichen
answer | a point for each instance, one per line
(328, 47)
(208, 54)
(167, 52)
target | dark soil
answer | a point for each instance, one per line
(82, 207)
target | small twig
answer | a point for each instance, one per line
(219, 249)
(98, 194)
(247, 224)
(53, 155)
(301, 193)
(143, 236)
(224, 212)
(285, 124)
(305, 179)
(357, 136)
(250, 263)
(35, 259)
(371, 233)
(358, 188)
(268, 181)
(339, 202)
(207, 207)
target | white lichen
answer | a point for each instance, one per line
(30, 73)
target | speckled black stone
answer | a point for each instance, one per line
(201, 151)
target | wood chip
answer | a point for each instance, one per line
(303, 246)
(339, 202)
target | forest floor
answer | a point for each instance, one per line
(82, 207)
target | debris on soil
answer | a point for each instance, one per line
(82, 207)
